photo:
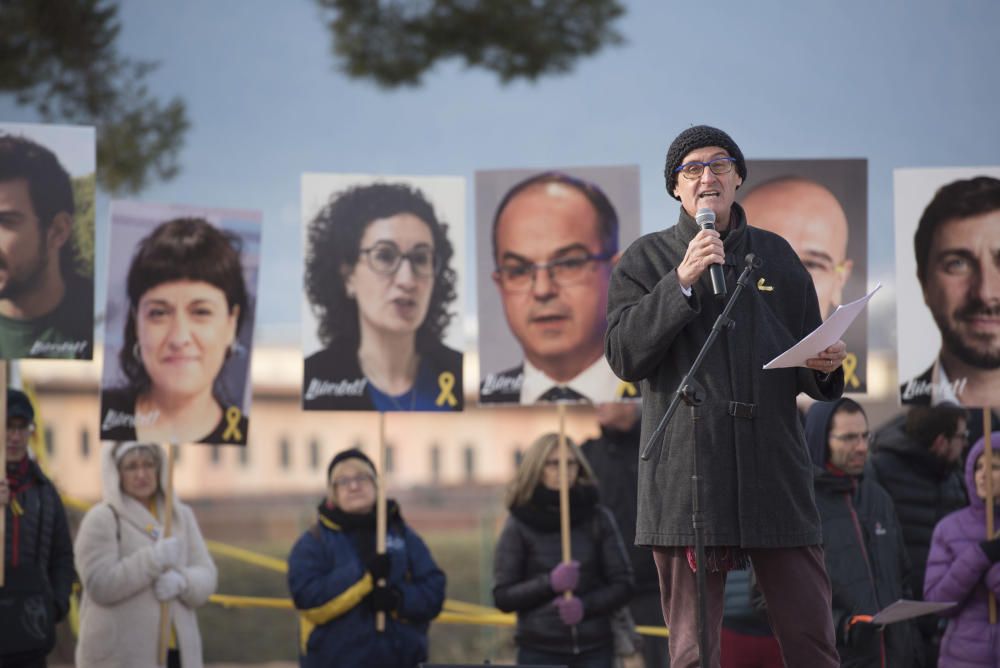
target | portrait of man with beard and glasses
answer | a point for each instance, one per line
(46, 241)
(957, 252)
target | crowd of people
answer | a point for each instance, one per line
(810, 526)
(899, 520)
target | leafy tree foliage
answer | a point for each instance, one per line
(83, 224)
(395, 42)
(59, 57)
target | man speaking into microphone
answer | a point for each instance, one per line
(756, 493)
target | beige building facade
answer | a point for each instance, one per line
(288, 449)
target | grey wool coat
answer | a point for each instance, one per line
(756, 474)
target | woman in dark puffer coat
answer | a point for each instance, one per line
(963, 568)
(531, 578)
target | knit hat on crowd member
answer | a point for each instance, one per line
(18, 405)
(351, 453)
(694, 138)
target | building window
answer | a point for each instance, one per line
(470, 463)
(216, 454)
(435, 463)
(84, 444)
(286, 453)
(314, 454)
(390, 459)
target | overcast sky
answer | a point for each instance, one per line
(901, 83)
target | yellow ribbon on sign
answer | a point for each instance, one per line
(850, 366)
(625, 387)
(762, 287)
(232, 432)
(446, 381)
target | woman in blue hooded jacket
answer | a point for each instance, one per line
(333, 574)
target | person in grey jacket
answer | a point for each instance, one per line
(531, 577)
(757, 496)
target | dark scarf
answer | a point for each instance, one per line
(19, 479)
(541, 512)
(360, 527)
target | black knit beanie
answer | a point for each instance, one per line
(694, 138)
(352, 453)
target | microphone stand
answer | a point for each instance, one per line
(691, 392)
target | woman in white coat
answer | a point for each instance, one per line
(128, 568)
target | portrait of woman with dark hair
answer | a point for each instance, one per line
(187, 300)
(379, 281)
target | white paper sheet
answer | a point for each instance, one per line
(823, 336)
(904, 609)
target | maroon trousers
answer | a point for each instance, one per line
(799, 607)
(743, 651)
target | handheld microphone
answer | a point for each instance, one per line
(706, 220)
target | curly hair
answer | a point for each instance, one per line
(183, 249)
(334, 244)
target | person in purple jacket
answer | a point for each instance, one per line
(963, 567)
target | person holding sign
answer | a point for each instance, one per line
(187, 299)
(128, 568)
(531, 577)
(963, 568)
(334, 573)
(863, 546)
(379, 279)
(38, 550)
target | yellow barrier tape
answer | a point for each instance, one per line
(497, 619)
(490, 616)
(248, 556)
(468, 608)
(230, 601)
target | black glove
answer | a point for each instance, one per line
(385, 599)
(862, 634)
(991, 548)
(378, 566)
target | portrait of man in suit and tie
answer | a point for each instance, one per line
(554, 238)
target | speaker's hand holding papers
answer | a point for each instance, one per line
(823, 337)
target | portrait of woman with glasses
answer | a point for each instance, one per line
(379, 282)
